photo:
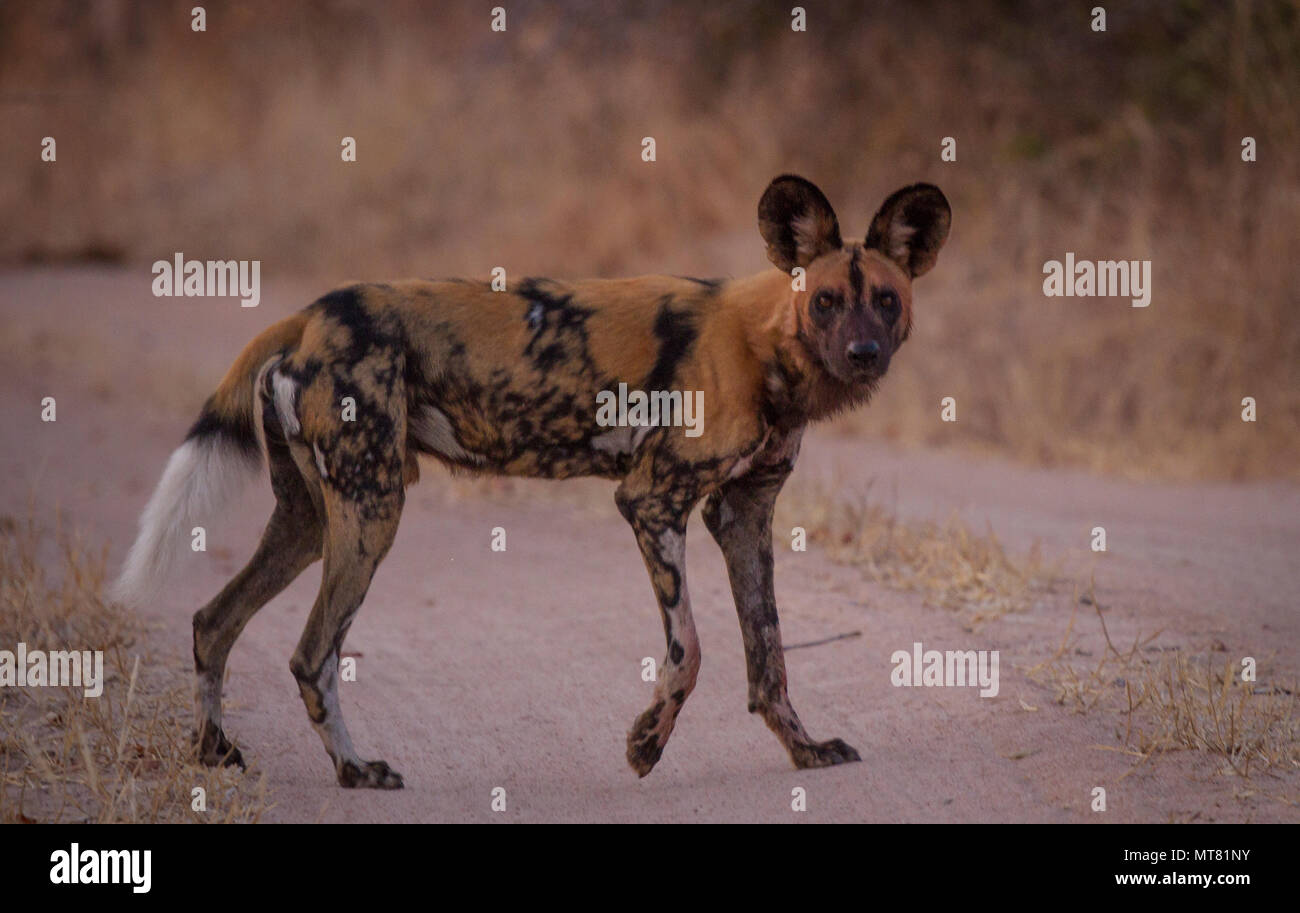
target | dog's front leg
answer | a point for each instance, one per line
(660, 526)
(739, 516)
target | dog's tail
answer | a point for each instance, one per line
(221, 453)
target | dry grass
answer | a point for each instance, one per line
(1167, 699)
(947, 563)
(478, 149)
(125, 756)
(1164, 699)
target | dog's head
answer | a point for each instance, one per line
(855, 308)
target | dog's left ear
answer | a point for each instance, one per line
(797, 222)
(911, 226)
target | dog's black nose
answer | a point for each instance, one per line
(864, 354)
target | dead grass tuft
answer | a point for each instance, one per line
(949, 564)
(125, 756)
(1167, 699)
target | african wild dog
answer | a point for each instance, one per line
(507, 382)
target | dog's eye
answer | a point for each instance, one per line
(887, 301)
(823, 301)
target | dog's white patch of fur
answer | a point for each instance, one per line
(286, 393)
(332, 731)
(617, 441)
(673, 546)
(621, 440)
(433, 429)
(201, 476)
(807, 235)
(743, 465)
(900, 241)
(208, 699)
(320, 461)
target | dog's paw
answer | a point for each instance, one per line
(645, 744)
(823, 754)
(215, 750)
(369, 775)
(643, 753)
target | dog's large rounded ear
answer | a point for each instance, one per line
(797, 222)
(911, 226)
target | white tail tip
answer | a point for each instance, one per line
(201, 476)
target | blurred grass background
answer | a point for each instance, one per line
(522, 149)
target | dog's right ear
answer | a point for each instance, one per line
(797, 222)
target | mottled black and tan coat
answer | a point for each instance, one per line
(506, 382)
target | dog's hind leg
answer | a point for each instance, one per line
(358, 535)
(291, 542)
(740, 518)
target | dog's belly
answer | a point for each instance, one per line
(555, 440)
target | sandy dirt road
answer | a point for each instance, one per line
(479, 669)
